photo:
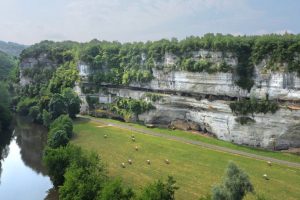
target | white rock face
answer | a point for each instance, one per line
(41, 61)
(84, 70)
(281, 129)
(283, 86)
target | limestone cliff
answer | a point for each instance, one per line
(201, 99)
(204, 98)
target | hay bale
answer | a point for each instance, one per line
(148, 162)
(269, 163)
(130, 161)
(132, 136)
(123, 165)
(265, 176)
(136, 148)
(133, 139)
(167, 161)
(105, 136)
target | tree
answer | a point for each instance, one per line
(58, 138)
(63, 122)
(114, 190)
(58, 160)
(57, 106)
(72, 102)
(160, 191)
(236, 184)
(84, 179)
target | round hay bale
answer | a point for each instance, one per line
(148, 162)
(130, 161)
(105, 136)
(167, 161)
(265, 176)
(123, 165)
(136, 148)
(269, 163)
(133, 139)
(132, 136)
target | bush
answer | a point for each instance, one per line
(236, 185)
(57, 106)
(84, 179)
(63, 122)
(253, 105)
(58, 160)
(57, 138)
(114, 190)
(160, 190)
(72, 102)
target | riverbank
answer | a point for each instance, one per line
(196, 169)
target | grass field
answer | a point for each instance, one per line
(195, 169)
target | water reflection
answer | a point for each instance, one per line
(23, 174)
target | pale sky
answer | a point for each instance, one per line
(30, 21)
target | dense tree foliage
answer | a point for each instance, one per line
(72, 102)
(128, 108)
(57, 160)
(5, 115)
(114, 190)
(7, 63)
(116, 63)
(235, 186)
(253, 105)
(160, 190)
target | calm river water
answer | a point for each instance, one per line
(22, 174)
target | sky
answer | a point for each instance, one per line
(30, 21)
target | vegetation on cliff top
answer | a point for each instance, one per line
(116, 63)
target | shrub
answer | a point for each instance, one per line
(58, 160)
(159, 190)
(57, 138)
(63, 122)
(253, 105)
(114, 190)
(236, 185)
(84, 179)
(57, 106)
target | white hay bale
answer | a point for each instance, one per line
(148, 162)
(136, 148)
(269, 163)
(133, 139)
(123, 165)
(167, 161)
(265, 176)
(105, 136)
(130, 161)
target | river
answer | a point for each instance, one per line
(22, 174)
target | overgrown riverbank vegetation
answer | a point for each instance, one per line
(8, 78)
(122, 64)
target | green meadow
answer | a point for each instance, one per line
(195, 169)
